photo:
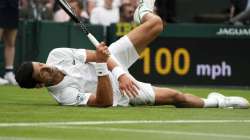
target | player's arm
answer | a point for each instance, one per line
(104, 93)
(126, 83)
(91, 57)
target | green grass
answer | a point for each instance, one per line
(32, 106)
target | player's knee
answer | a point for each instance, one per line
(157, 24)
(179, 97)
(180, 100)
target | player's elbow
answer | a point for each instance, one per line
(105, 106)
(104, 103)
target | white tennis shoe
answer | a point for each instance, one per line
(3, 81)
(229, 102)
(10, 77)
(144, 7)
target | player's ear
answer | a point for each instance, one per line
(45, 73)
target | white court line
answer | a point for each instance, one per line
(179, 133)
(22, 138)
(18, 124)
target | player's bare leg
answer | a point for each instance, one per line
(150, 28)
(167, 96)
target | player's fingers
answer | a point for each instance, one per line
(100, 46)
(135, 84)
(130, 95)
(103, 51)
(132, 91)
(122, 92)
(135, 90)
(105, 47)
(107, 52)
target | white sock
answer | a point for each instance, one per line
(210, 103)
(9, 67)
(9, 72)
(139, 14)
(148, 3)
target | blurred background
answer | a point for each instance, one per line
(205, 42)
(204, 11)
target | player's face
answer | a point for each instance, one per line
(36, 70)
(44, 73)
(36, 74)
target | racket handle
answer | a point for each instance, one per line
(93, 40)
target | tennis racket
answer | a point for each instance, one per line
(70, 11)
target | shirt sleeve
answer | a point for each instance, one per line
(66, 56)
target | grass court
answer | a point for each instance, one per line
(34, 115)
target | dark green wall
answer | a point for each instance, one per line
(213, 45)
(187, 9)
(37, 38)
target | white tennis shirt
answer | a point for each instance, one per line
(80, 79)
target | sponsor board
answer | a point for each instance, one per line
(193, 54)
(195, 62)
(233, 31)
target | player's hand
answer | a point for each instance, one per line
(128, 86)
(102, 53)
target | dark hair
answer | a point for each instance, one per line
(24, 75)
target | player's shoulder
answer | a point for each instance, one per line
(56, 50)
(60, 51)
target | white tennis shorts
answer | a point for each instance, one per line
(124, 51)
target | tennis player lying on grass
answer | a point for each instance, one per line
(82, 77)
